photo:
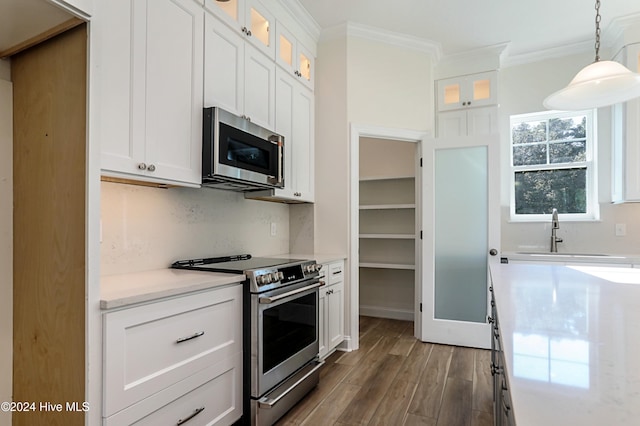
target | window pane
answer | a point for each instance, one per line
(568, 152)
(529, 154)
(539, 192)
(567, 128)
(533, 131)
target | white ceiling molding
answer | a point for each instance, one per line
(622, 31)
(303, 17)
(351, 29)
(552, 53)
(619, 32)
(486, 58)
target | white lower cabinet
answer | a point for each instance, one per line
(173, 359)
(331, 307)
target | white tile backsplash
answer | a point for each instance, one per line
(147, 228)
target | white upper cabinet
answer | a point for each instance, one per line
(249, 18)
(293, 56)
(237, 76)
(149, 100)
(468, 122)
(294, 120)
(467, 91)
(626, 138)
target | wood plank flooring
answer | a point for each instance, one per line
(394, 379)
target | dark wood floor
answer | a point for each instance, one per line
(394, 379)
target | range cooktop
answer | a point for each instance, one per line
(263, 273)
(236, 264)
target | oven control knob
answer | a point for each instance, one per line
(313, 268)
(274, 277)
(263, 279)
(280, 276)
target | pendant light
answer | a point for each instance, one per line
(599, 84)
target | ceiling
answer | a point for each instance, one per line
(456, 25)
(21, 20)
(464, 25)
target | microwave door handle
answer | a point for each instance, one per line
(279, 141)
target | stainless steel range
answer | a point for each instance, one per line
(281, 330)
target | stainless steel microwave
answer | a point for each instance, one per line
(239, 155)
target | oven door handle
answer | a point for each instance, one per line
(268, 300)
(270, 403)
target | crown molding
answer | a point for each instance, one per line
(546, 54)
(352, 29)
(482, 59)
(300, 14)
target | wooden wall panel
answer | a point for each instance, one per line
(49, 226)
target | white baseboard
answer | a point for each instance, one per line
(380, 312)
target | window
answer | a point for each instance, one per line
(553, 166)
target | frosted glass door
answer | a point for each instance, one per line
(460, 235)
(461, 220)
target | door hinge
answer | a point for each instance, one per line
(420, 306)
(420, 234)
(420, 162)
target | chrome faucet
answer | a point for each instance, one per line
(555, 224)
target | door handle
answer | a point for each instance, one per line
(493, 252)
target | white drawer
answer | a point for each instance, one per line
(336, 272)
(213, 394)
(142, 355)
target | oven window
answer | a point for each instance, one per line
(287, 329)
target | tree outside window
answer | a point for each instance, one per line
(552, 165)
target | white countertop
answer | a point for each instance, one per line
(126, 289)
(572, 258)
(571, 337)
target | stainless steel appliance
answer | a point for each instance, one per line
(281, 330)
(239, 155)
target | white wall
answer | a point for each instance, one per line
(363, 82)
(6, 242)
(521, 90)
(149, 228)
(389, 86)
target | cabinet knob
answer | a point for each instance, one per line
(493, 252)
(151, 168)
(142, 166)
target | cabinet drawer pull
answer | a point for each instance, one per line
(194, 336)
(195, 413)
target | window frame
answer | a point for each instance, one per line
(590, 163)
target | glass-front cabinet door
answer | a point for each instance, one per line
(251, 18)
(467, 91)
(293, 56)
